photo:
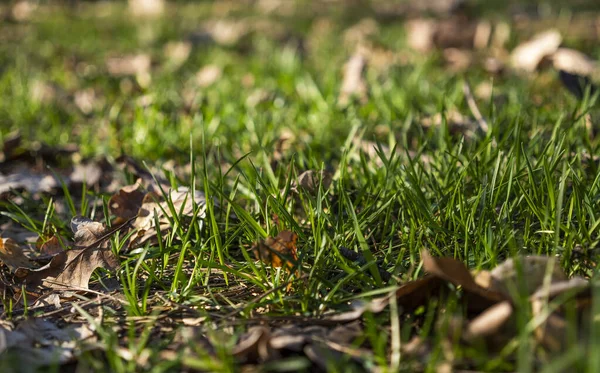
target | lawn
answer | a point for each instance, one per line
(299, 186)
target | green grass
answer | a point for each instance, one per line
(528, 186)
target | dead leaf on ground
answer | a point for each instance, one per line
(72, 269)
(578, 85)
(574, 62)
(425, 34)
(527, 56)
(310, 181)
(38, 343)
(456, 272)
(490, 323)
(208, 75)
(153, 205)
(361, 32)
(278, 251)
(353, 83)
(11, 254)
(177, 53)
(126, 203)
(525, 273)
(223, 32)
(146, 8)
(50, 246)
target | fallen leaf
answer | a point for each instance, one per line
(254, 345)
(183, 203)
(553, 331)
(146, 8)
(11, 254)
(126, 203)
(278, 251)
(353, 83)
(208, 75)
(490, 322)
(177, 53)
(455, 272)
(573, 62)
(507, 278)
(310, 181)
(50, 245)
(72, 269)
(527, 56)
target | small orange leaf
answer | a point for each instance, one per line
(278, 251)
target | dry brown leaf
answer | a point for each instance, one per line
(311, 180)
(72, 269)
(11, 254)
(278, 251)
(353, 83)
(359, 33)
(183, 203)
(553, 331)
(50, 245)
(254, 345)
(456, 272)
(527, 56)
(36, 343)
(126, 203)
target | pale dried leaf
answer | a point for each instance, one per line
(70, 269)
(420, 33)
(489, 322)
(11, 254)
(147, 8)
(177, 53)
(353, 83)
(527, 56)
(506, 278)
(208, 75)
(87, 231)
(574, 62)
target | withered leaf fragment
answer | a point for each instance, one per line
(72, 269)
(11, 254)
(278, 251)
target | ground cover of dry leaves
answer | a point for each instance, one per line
(295, 248)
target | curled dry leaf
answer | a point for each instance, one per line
(278, 251)
(126, 203)
(11, 254)
(153, 205)
(455, 272)
(527, 56)
(490, 322)
(50, 245)
(353, 83)
(573, 62)
(526, 273)
(254, 345)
